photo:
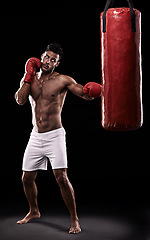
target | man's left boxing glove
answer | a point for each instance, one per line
(31, 66)
(92, 89)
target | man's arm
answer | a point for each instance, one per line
(76, 88)
(23, 92)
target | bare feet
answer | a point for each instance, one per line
(29, 216)
(75, 226)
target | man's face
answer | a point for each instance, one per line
(49, 60)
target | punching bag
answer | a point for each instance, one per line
(121, 98)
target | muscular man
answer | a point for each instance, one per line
(47, 90)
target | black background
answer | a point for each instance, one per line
(103, 166)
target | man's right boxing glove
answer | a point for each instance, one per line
(31, 66)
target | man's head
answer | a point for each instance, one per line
(51, 57)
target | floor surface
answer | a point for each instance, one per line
(104, 224)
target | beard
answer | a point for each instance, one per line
(46, 68)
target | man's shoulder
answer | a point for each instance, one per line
(67, 79)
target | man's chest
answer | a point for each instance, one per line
(47, 89)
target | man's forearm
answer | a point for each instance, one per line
(31, 66)
(22, 94)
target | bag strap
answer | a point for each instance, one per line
(130, 3)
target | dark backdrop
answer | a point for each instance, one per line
(103, 165)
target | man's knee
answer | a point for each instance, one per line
(28, 178)
(62, 179)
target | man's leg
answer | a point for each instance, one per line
(30, 189)
(68, 196)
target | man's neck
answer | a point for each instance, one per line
(46, 74)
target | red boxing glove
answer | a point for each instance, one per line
(31, 66)
(92, 89)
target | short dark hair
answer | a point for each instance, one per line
(56, 48)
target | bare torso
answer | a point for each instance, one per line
(47, 96)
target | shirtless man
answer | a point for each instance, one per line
(47, 90)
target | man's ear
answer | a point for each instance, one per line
(42, 56)
(57, 64)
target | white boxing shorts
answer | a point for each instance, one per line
(43, 147)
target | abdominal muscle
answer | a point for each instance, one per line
(46, 115)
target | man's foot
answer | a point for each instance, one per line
(29, 216)
(75, 226)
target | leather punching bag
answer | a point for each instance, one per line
(121, 98)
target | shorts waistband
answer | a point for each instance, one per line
(49, 134)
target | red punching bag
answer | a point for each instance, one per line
(121, 98)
